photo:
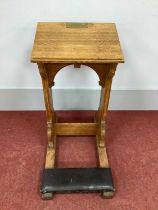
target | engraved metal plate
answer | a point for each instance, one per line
(76, 25)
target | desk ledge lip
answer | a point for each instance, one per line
(36, 60)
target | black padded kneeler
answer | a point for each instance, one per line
(77, 179)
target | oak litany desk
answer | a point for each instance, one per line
(97, 46)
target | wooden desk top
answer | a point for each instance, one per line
(76, 43)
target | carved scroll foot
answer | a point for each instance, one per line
(50, 134)
(101, 134)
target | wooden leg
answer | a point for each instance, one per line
(104, 102)
(105, 73)
(102, 155)
(49, 163)
(50, 114)
(101, 120)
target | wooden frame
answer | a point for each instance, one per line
(105, 73)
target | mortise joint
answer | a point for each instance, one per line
(77, 65)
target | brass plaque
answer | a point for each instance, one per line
(76, 25)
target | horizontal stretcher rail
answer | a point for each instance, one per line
(75, 128)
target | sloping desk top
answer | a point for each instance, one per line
(76, 43)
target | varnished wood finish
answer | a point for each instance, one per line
(101, 115)
(105, 73)
(102, 155)
(57, 43)
(50, 155)
(81, 129)
(95, 45)
(48, 103)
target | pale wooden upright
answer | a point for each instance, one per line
(95, 45)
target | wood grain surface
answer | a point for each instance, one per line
(76, 43)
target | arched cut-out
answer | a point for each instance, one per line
(53, 68)
(76, 78)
